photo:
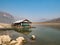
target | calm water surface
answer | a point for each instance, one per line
(44, 35)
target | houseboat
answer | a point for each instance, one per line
(22, 23)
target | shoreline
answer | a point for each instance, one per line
(45, 23)
(53, 25)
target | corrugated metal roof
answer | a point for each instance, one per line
(19, 21)
(23, 20)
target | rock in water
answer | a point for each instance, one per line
(33, 37)
(13, 42)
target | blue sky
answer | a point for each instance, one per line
(34, 10)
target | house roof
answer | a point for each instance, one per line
(18, 21)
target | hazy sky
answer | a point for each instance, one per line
(35, 10)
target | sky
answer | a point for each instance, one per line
(34, 10)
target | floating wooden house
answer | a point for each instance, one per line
(22, 23)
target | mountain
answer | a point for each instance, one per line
(6, 18)
(57, 20)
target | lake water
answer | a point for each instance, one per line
(45, 35)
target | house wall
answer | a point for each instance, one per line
(25, 24)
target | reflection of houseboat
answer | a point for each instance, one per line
(22, 23)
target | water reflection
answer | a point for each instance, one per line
(54, 26)
(24, 30)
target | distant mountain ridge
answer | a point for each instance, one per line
(6, 18)
(57, 20)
